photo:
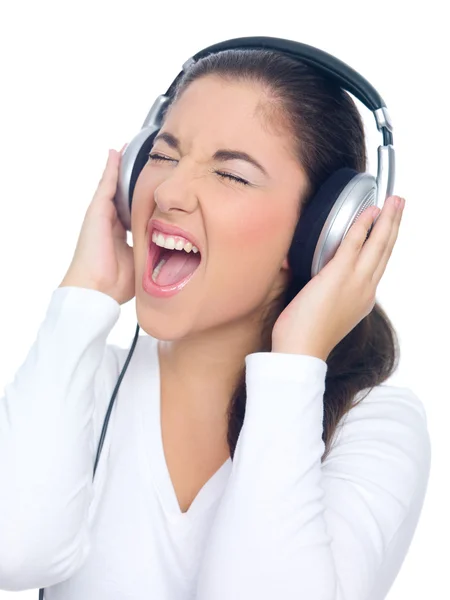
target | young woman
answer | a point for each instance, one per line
(255, 450)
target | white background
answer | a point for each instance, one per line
(79, 77)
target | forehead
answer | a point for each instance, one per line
(213, 112)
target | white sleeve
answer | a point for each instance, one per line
(48, 435)
(291, 527)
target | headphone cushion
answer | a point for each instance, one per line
(139, 163)
(311, 222)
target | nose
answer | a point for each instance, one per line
(176, 192)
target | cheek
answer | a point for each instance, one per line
(256, 242)
(264, 232)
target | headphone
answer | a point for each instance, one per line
(330, 213)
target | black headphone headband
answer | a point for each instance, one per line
(330, 66)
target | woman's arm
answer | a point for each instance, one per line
(291, 528)
(48, 438)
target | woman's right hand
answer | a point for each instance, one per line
(103, 260)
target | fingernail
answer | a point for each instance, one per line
(398, 202)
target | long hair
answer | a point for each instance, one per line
(327, 133)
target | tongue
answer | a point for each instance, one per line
(178, 266)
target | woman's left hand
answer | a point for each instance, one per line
(344, 291)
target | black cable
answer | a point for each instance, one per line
(113, 397)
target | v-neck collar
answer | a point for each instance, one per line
(157, 464)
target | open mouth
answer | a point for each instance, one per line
(157, 253)
(170, 267)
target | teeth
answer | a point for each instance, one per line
(169, 242)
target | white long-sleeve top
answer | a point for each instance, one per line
(273, 524)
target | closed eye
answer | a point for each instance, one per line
(160, 158)
(232, 177)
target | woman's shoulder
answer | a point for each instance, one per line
(386, 412)
(384, 439)
(387, 403)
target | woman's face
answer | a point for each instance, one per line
(244, 231)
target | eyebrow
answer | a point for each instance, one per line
(222, 154)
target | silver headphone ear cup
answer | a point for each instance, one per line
(122, 199)
(358, 194)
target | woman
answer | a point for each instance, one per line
(254, 451)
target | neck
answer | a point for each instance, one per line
(200, 374)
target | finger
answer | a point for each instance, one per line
(379, 271)
(352, 243)
(107, 185)
(371, 255)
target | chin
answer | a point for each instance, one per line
(164, 327)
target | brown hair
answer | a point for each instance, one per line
(328, 134)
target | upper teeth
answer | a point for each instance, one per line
(172, 243)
